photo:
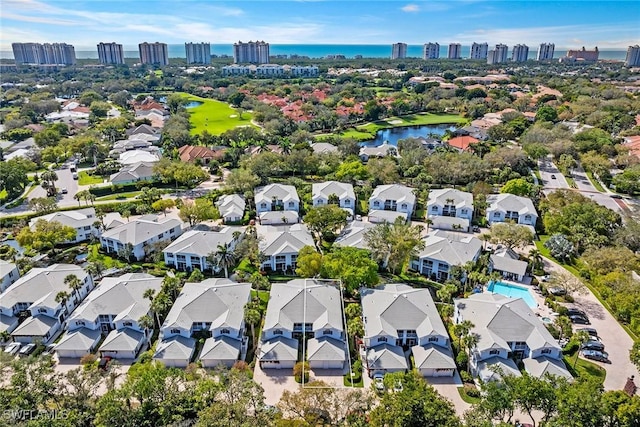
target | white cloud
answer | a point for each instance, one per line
(411, 8)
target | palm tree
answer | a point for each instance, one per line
(582, 337)
(470, 341)
(50, 177)
(95, 268)
(252, 317)
(145, 322)
(171, 285)
(62, 297)
(150, 294)
(429, 222)
(223, 258)
(78, 197)
(535, 257)
(74, 284)
(5, 336)
(461, 329)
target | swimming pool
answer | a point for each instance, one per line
(512, 291)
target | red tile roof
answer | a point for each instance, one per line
(462, 142)
(189, 153)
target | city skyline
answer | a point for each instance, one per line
(602, 24)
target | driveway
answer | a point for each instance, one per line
(616, 340)
(274, 382)
(65, 180)
(448, 388)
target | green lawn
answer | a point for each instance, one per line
(469, 399)
(595, 182)
(85, 179)
(3, 194)
(214, 116)
(95, 255)
(119, 196)
(584, 368)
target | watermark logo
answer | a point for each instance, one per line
(33, 414)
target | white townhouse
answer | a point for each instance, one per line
(82, 220)
(135, 172)
(353, 235)
(509, 207)
(390, 201)
(281, 244)
(508, 264)
(231, 208)
(192, 249)
(9, 273)
(442, 250)
(140, 234)
(397, 318)
(450, 209)
(277, 197)
(306, 311)
(328, 192)
(36, 296)
(212, 309)
(112, 311)
(508, 331)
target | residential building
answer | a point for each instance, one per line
(353, 235)
(545, 52)
(479, 51)
(323, 148)
(431, 51)
(462, 143)
(442, 250)
(583, 55)
(509, 207)
(398, 51)
(383, 150)
(82, 220)
(450, 209)
(306, 312)
(198, 53)
(252, 52)
(110, 53)
(396, 318)
(520, 53)
(302, 70)
(455, 51)
(135, 172)
(111, 310)
(136, 238)
(280, 245)
(9, 273)
(198, 153)
(231, 208)
(44, 54)
(271, 70)
(508, 331)
(498, 54)
(192, 249)
(212, 309)
(333, 192)
(131, 157)
(506, 262)
(154, 53)
(277, 197)
(393, 198)
(35, 298)
(633, 56)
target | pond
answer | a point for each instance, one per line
(193, 104)
(393, 135)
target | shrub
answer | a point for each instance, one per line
(88, 359)
(571, 347)
(561, 310)
(461, 360)
(466, 377)
(301, 369)
(241, 365)
(471, 390)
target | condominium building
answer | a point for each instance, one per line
(545, 51)
(633, 56)
(398, 51)
(498, 54)
(154, 53)
(431, 51)
(583, 54)
(198, 53)
(479, 51)
(44, 54)
(252, 52)
(110, 53)
(455, 51)
(520, 53)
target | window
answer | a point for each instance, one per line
(434, 209)
(175, 331)
(263, 205)
(291, 204)
(320, 201)
(494, 352)
(125, 324)
(160, 235)
(327, 332)
(433, 339)
(527, 217)
(42, 310)
(225, 331)
(79, 323)
(376, 204)
(87, 227)
(277, 332)
(382, 339)
(463, 211)
(546, 351)
(496, 214)
(169, 255)
(347, 202)
(404, 206)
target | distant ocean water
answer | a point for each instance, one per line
(322, 50)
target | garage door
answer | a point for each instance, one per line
(443, 372)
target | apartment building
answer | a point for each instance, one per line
(633, 56)
(479, 51)
(498, 54)
(431, 51)
(545, 52)
(398, 50)
(198, 53)
(454, 51)
(44, 53)
(154, 53)
(252, 52)
(110, 53)
(520, 53)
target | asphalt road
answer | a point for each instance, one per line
(588, 190)
(547, 172)
(65, 180)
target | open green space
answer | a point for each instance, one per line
(119, 196)
(109, 262)
(469, 399)
(214, 116)
(584, 368)
(85, 179)
(595, 182)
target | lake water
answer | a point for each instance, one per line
(393, 135)
(193, 104)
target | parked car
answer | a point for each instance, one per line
(592, 345)
(13, 348)
(553, 177)
(378, 381)
(545, 278)
(581, 320)
(590, 331)
(27, 349)
(572, 311)
(397, 387)
(615, 196)
(475, 229)
(358, 217)
(104, 362)
(600, 356)
(75, 175)
(557, 291)
(63, 190)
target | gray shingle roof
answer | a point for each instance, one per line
(510, 202)
(5, 268)
(219, 301)
(220, 348)
(279, 217)
(452, 248)
(79, 339)
(35, 326)
(75, 219)
(397, 192)
(461, 199)
(276, 240)
(489, 369)
(123, 340)
(325, 348)
(433, 356)
(353, 235)
(323, 147)
(201, 243)
(231, 204)
(176, 347)
(386, 356)
(542, 365)
(386, 216)
(327, 188)
(134, 172)
(503, 260)
(304, 301)
(282, 192)
(120, 296)
(279, 348)
(140, 230)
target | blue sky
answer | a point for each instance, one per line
(606, 24)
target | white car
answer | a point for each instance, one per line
(27, 349)
(13, 348)
(378, 381)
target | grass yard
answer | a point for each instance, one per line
(119, 196)
(214, 116)
(95, 255)
(584, 369)
(469, 399)
(85, 179)
(595, 182)
(3, 194)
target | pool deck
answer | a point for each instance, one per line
(541, 310)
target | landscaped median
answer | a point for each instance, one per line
(215, 117)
